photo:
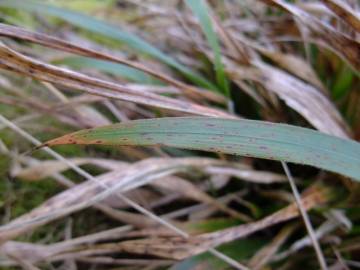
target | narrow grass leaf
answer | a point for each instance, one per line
(240, 137)
(126, 72)
(201, 11)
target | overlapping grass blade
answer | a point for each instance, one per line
(201, 10)
(14, 61)
(240, 137)
(111, 68)
(104, 29)
(59, 44)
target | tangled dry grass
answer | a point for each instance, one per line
(71, 65)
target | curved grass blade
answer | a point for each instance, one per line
(201, 10)
(100, 27)
(239, 137)
(124, 71)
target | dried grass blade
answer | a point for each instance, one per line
(342, 44)
(179, 249)
(88, 193)
(263, 256)
(56, 43)
(300, 96)
(102, 28)
(14, 61)
(344, 12)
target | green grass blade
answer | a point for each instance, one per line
(343, 82)
(201, 11)
(124, 71)
(113, 32)
(239, 137)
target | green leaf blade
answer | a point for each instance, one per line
(116, 69)
(201, 10)
(238, 137)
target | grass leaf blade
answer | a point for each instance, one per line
(201, 10)
(239, 137)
